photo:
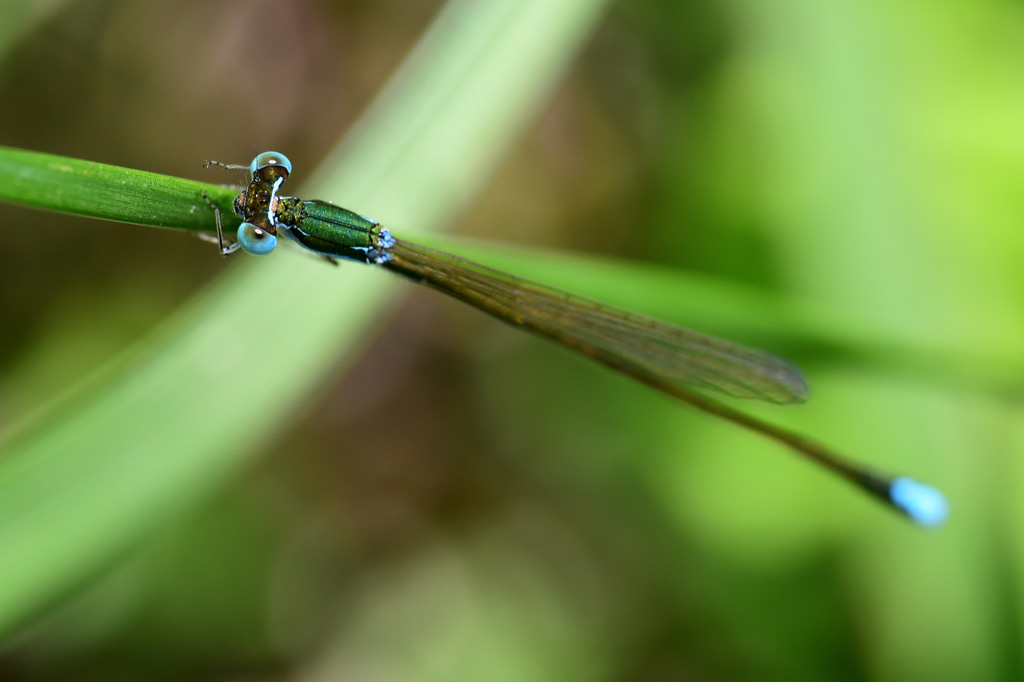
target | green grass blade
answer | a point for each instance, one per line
(99, 190)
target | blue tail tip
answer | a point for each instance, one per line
(922, 503)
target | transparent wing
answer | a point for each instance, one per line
(633, 344)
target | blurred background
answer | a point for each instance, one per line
(513, 512)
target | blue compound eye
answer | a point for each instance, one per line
(271, 159)
(255, 240)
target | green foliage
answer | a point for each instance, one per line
(176, 416)
(274, 479)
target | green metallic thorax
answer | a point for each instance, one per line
(330, 230)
